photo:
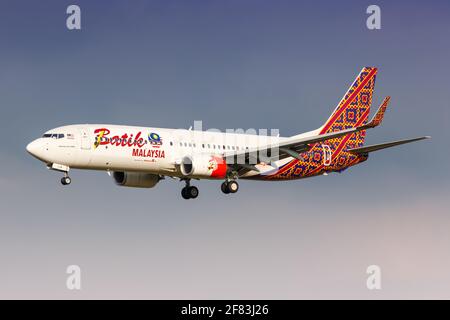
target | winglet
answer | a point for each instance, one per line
(378, 117)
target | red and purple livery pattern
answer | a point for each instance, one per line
(352, 111)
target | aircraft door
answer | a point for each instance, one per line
(327, 155)
(85, 139)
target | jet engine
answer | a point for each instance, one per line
(203, 166)
(135, 179)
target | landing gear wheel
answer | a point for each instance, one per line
(184, 193)
(192, 191)
(224, 188)
(66, 180)
(229, 187)
(233, 186)
(189, 192)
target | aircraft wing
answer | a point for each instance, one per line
(293, 147)
(290, 147)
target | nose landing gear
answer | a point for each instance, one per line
(66, 179)
(189, 192)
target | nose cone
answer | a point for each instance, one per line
(35, 149)
(32, 147)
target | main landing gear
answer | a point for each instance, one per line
(229, 186)
(189, 192)
(66, 179)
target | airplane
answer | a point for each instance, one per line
(143, 156)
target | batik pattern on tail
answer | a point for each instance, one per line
(352, 111)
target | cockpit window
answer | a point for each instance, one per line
(53, 135)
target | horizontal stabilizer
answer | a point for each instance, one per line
(375, 147)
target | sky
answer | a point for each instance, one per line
(231, 64)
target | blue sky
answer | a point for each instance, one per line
(231, 64)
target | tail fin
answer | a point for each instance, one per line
(353, 110)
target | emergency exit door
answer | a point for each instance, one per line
(86, 141)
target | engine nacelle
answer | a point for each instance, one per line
(135, 179)
(203, 166)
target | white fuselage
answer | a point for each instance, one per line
(139, 149)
